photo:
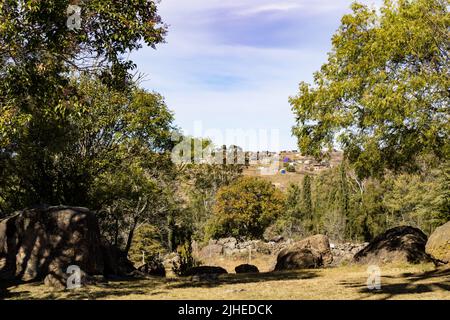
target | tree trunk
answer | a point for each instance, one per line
(130, 236)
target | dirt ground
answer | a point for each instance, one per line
(348, 283)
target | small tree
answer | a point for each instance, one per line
(245, 209)
(294, 201)
(187, 260)
(146, 245)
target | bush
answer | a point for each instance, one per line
(245, 209)
(187, 260)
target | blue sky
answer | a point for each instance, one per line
(233, 64)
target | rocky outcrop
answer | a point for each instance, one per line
(34, 243)
(319, 244)
(293, 259)
(438, 244)
(39, 242)
(246, 268)
(311, 252)
(231, 247)
(400, 244)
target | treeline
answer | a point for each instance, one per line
(334, 202)
(338, 204)
(220, 202)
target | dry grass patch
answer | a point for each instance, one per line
(398, 282)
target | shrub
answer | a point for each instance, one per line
(245, 209)
(187, 260)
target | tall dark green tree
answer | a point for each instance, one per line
(294, 201)
(307, 201)
(344, 194)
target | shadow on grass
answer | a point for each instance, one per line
(113, 287)
(247, 278)
(150, 286)
(410, 284)
(5, 292)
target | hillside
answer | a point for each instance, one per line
(270, 165)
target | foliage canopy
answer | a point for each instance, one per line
(384, 91)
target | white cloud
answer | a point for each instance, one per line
(239, 86)
(272, 7)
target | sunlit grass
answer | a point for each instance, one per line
(397, 281)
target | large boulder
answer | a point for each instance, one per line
(438, 244)
(396, 245)
(35, 243)
(246, 268)
(319, 244)
(311, 252)
(297, 259)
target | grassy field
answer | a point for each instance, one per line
(349, 282)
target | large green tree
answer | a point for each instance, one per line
(105, 132)
(40, 100)
(245, 208)
(384, 92)
(38, 51)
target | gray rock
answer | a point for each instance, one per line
(246, 268)
(438, 244)
(37, 242)
(211, 250)
(289, 259)
(400, 244)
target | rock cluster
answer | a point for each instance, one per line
(231, 247)
(226, 247)
(344, 252)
